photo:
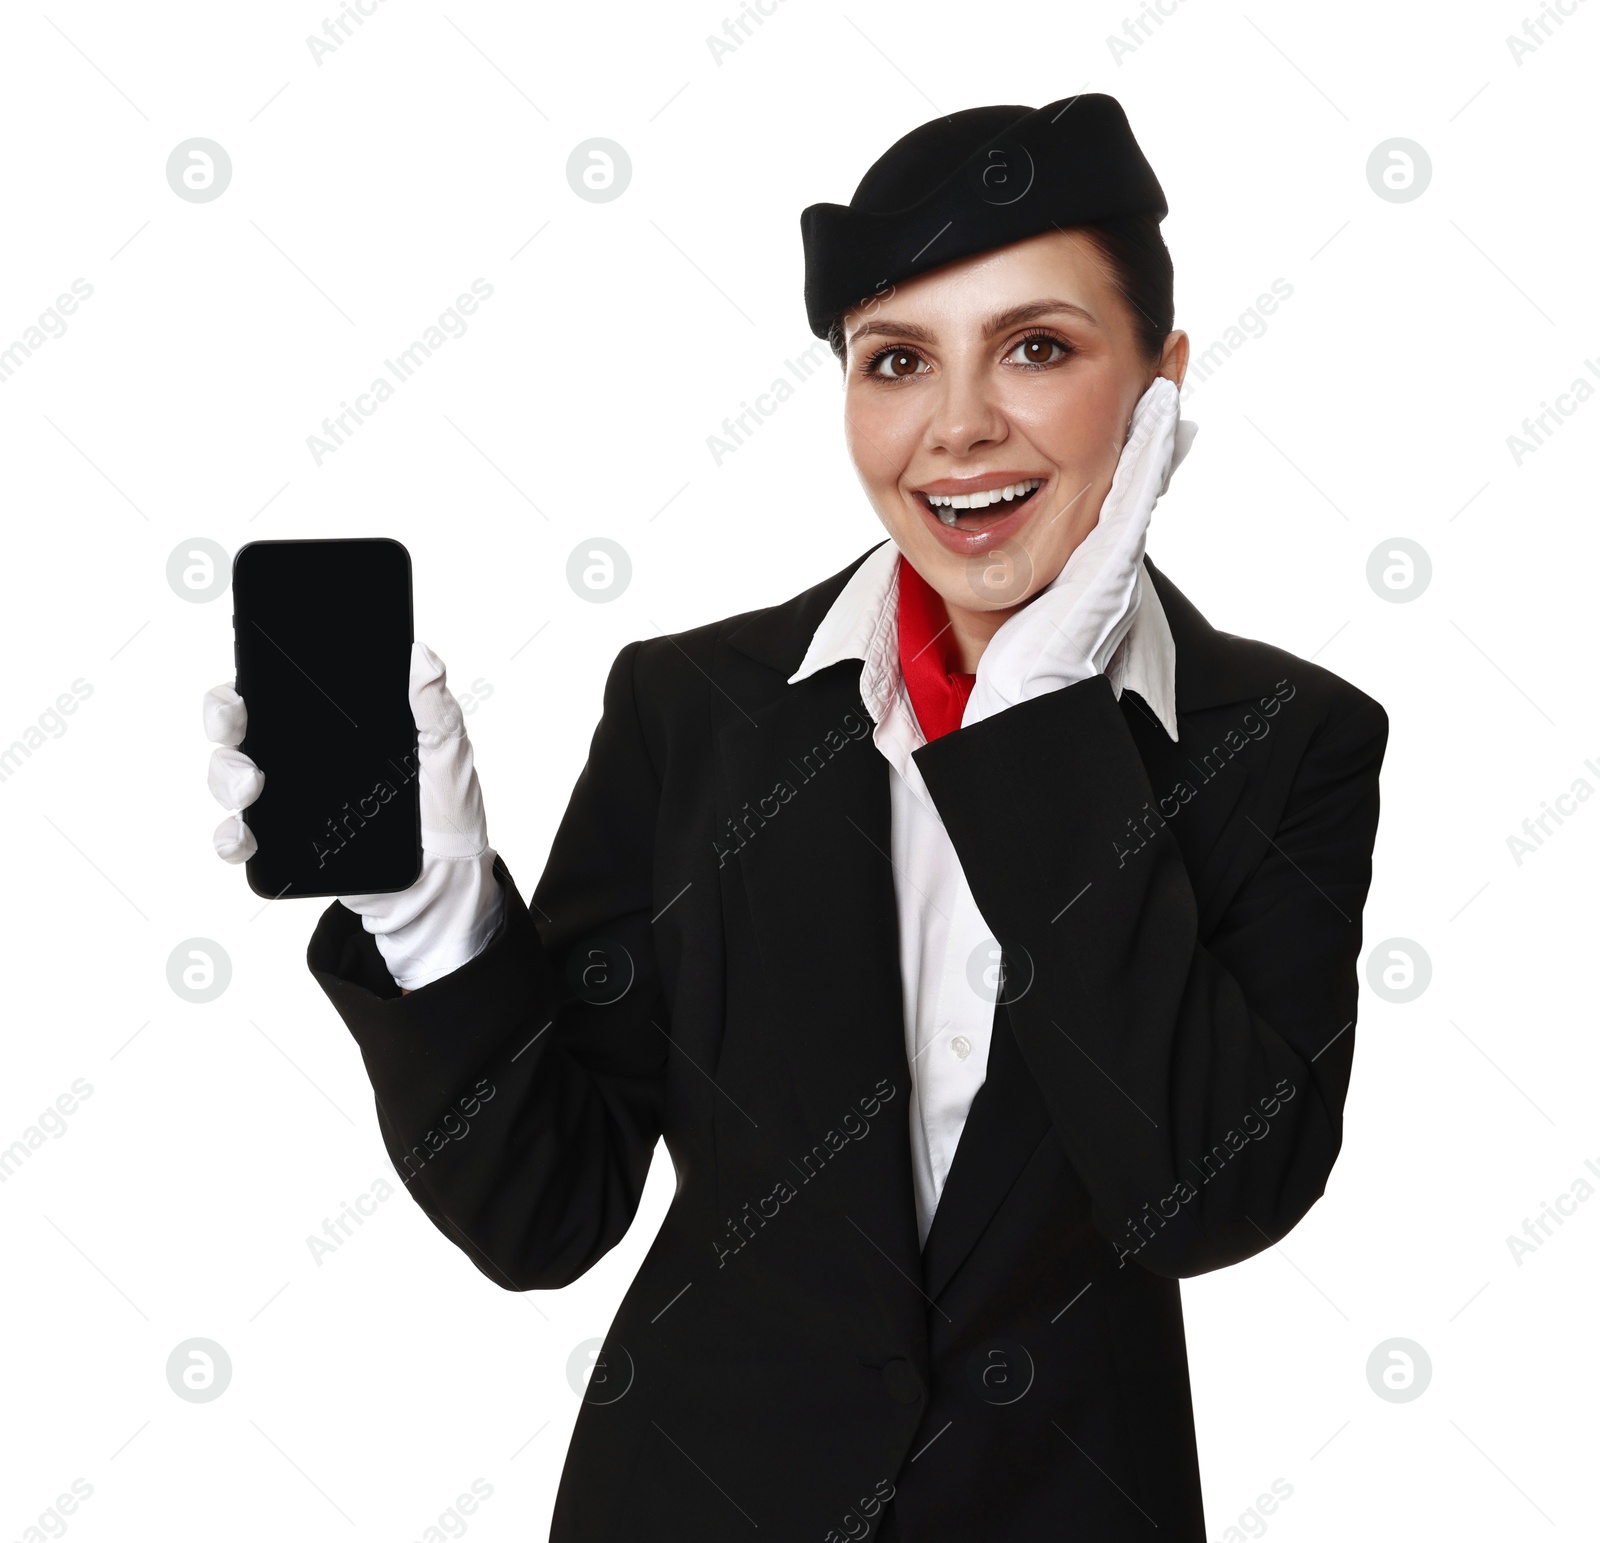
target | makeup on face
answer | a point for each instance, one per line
(983, 403)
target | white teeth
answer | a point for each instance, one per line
(947, 515)
(953, 501)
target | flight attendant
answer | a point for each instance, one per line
(979, 929)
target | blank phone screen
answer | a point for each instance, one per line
(322, 650)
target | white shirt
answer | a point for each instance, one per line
(949, 959)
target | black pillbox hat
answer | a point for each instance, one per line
(968, 183)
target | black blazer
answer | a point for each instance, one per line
(711, 957)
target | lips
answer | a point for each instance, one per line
(971, 516)
(950, 506)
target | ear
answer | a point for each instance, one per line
(1175, 358)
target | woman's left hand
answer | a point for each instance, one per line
(1070, 630)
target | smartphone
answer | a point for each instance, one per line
(322, 658)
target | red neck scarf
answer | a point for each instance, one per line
(930, 661)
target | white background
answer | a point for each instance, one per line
(430, 150)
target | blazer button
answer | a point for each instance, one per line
(901, 1379)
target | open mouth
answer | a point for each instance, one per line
(971, 511)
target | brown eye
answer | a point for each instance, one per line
(897, 363)
(1038, 350)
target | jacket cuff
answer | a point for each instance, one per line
(420, 1045)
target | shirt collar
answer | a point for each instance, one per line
(861, 624)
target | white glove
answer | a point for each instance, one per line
(448, 916)
(1069, 631)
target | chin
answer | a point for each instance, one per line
(998, 579)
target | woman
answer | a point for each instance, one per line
(979, 929)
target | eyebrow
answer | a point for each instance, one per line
(1001, 322)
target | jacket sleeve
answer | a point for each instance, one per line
(1196, 1083)
(519, 1097)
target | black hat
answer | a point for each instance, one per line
(968, 183)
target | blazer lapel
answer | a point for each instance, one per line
(1209, 673)
(807, 792)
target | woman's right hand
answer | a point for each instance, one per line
(449, 915)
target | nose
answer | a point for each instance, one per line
(964, 415)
